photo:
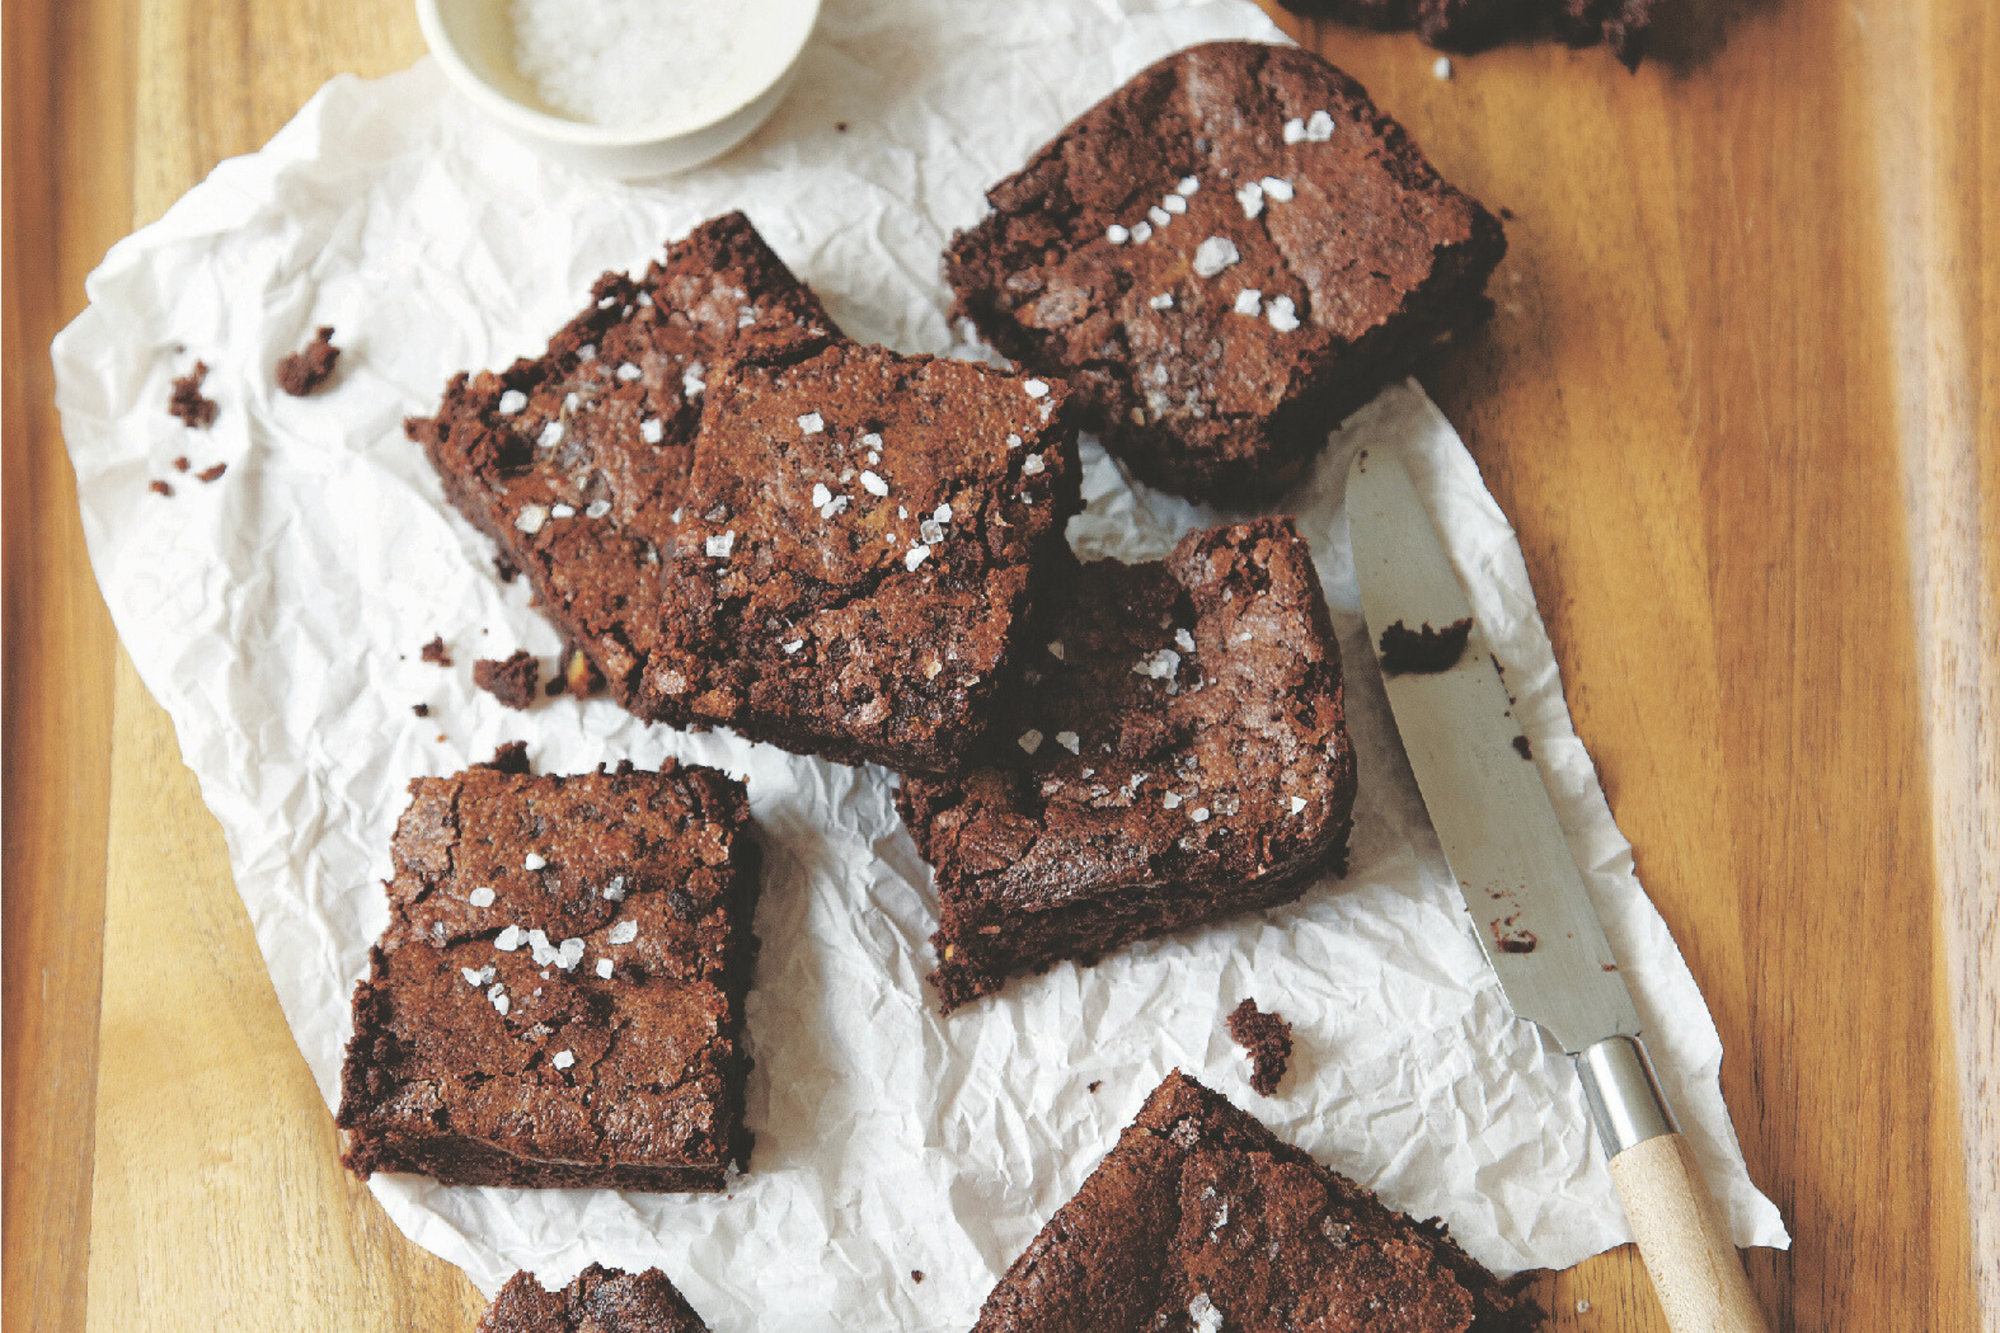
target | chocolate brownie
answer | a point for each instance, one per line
(1225, 257)
(833, 553)
(599, 1300)
(305, 370)
(1470, 25)
(1177, 753)
(557, 1001)
(1202, 1219)
(512, 679)
(1267, 1039)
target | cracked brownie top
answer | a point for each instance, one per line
(1201, 1219)
(597, 1300)
(745, 520)
(1176, 750)
(1224, 256)
(562, 978)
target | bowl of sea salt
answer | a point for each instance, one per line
(629, 88)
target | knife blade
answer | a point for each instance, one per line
(1530, 907)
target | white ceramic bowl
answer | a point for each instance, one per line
(473, 43)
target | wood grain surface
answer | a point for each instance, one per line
(1741, 396)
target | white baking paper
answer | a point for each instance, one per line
(277, 615)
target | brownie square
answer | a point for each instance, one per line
(857, 554)
(819, 544)
(1225, 257)
(1201, 1219)
(1178, 753)
(558, 999)
(599, 1300)
(1472, 25)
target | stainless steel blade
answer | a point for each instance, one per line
(1484, 792)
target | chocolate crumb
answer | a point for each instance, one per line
(187, 402)
(212, 473)
(1268, 1039)
(160, 488)
(1095, 1084)
(841, 125)
(1425, 650)
(916, 1275)
(1506, 213)
(421, 710)
(511, 757)
(512, 680)
(181, 464)
(434, 652)
(304, 371)
(506, 569)
(1522, 748)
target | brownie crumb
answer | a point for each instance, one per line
(1510, 937)
(1522, 748)
(1268, 1039)
(187, 402)
(1095, 1084)
(840, 125)
(304, 371)
(160, 488)
(421, 710)
(434, 652)
(512, 680)
(212, 473)
(181, 464)
(511, 757)
(916, 1275)
(506, 569)
(1426, 650)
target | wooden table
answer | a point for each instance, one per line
(1741, 396)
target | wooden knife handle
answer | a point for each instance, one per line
(1696, 1271)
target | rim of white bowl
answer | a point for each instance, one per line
(583, 133)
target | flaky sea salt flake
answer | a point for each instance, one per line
(1249, 301)
(513, 402)
(1214, 255)
(1030, 740)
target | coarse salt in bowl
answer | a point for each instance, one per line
(630, 88)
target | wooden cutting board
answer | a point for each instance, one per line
(1741, 396)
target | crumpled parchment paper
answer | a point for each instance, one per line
(277, 615)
